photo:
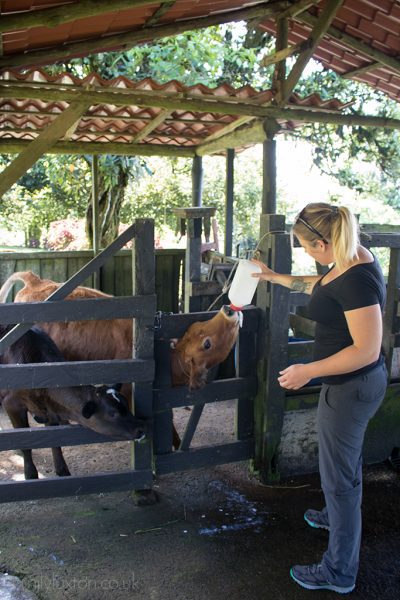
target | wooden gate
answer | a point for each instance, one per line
(142, 307)
(241, 385)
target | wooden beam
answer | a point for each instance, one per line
(154, 123)
(160, 12)
(128, 40)
(388, 61)
(53, 17)
(249, 134)
(324, 20)
(279, 75)
(297, 8)
(13, 146)
(280, 55)
(228, 106)
(361, 70)
(298, 114)
(42, 144)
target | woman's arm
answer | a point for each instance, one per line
(365, 326)
(297, 283)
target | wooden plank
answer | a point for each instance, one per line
(246, 366)
(162, 428)
(50, 437)
(143, 269)
(299, 351)
(53, 487)
(77, 310)
(325, 18)
(60, 15)
(196, 458)
(154, 123)
(299, 299)
(173, 326)
(216, 391)
(390, 313)
(41, 144)
(72, 373)
(191, 426)
(302, 326)
(203, 288)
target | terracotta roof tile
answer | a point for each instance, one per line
(23, 119)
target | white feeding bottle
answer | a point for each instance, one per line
(243, 284)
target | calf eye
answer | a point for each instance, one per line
(207, 344)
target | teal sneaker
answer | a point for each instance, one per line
(312, 578)
(317, 519)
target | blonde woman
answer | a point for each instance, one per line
(346, 304)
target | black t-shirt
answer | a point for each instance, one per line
(361, 285)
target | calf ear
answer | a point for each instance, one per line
(173, 342)
(89, 409)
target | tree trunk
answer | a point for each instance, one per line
(110, 202)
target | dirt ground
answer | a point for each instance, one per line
(215, 533)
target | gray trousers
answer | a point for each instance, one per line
(343, 414)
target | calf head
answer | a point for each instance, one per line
(203, 346)
(104, 410)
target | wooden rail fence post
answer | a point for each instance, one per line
(274, 301)
(143, 266)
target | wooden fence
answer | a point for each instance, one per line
(142, 307)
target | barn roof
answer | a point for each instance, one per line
(130, 115)
(362, 41)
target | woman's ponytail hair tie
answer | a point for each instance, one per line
(335, 210)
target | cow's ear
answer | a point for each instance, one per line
(89, 409)
(173, 342)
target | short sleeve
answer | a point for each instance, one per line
(360, 289)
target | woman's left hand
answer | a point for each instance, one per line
(294, 377)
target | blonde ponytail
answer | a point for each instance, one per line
(334, 224)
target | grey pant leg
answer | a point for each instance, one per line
(343, 414)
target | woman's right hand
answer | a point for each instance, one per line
(266, 274)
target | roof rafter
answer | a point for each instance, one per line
(15, 146)
(127, 40)
(56, 130)
(388, 61)
(154, 123)
(321, 26)
(66, 13)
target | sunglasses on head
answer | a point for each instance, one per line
(311, 228)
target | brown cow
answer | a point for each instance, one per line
(203, 346)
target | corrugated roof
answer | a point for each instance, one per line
(376, 23)
(24, 119)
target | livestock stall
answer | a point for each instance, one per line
(274, 428)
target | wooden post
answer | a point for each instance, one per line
(391, 319)
(197, 180)
(143, 267)
(95, 214)
(230, 158)
(274, 301)
(269, 177)
(194, 218)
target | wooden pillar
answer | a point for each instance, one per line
(274, 301)
(95, 214)
(143, 269)
(391, 318)
(229, 197)
(194, 225)
(269, 177)
(197, 181)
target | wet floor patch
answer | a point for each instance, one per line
(234, 512)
